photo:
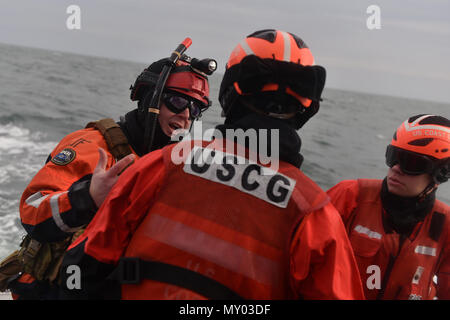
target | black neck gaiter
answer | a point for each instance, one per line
(289, 144)
(403, 213)
(133, 127)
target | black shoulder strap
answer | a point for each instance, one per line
(436, 225)
(133, 270)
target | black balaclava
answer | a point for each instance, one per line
(403, 213)
(133, 125)
(290, 142)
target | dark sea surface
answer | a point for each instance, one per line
(45, 95)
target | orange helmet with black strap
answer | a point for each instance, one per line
(422, 145)
(274, 64)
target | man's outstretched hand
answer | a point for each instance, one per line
(102, 181)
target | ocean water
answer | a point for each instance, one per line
(45, 95)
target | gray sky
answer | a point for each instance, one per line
(409, 56)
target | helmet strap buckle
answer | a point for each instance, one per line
(428, 189)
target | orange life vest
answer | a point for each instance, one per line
(239, 240)
(392, 267)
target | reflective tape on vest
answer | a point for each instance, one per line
(371, 234)
(36, 199)
(57, 215)
(425, 250)
(206, 246)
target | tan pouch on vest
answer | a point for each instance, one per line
(10, 268)
(115, 138)
(41, 260)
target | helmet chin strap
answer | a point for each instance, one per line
(428, 189)
(192, 123)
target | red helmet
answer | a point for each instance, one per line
(183, 79)
(426, 139)
(272, 61)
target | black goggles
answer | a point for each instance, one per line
(253, 73)
(410, 163)
(177, 104)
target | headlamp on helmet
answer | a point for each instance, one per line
(185, 78)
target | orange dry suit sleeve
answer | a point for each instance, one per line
(57, 201)
(443, 272)
(343, 196)
(322, 262)
(98, 250)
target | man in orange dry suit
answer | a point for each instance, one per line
(231, 228)
(65, 194)
(399, 231)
